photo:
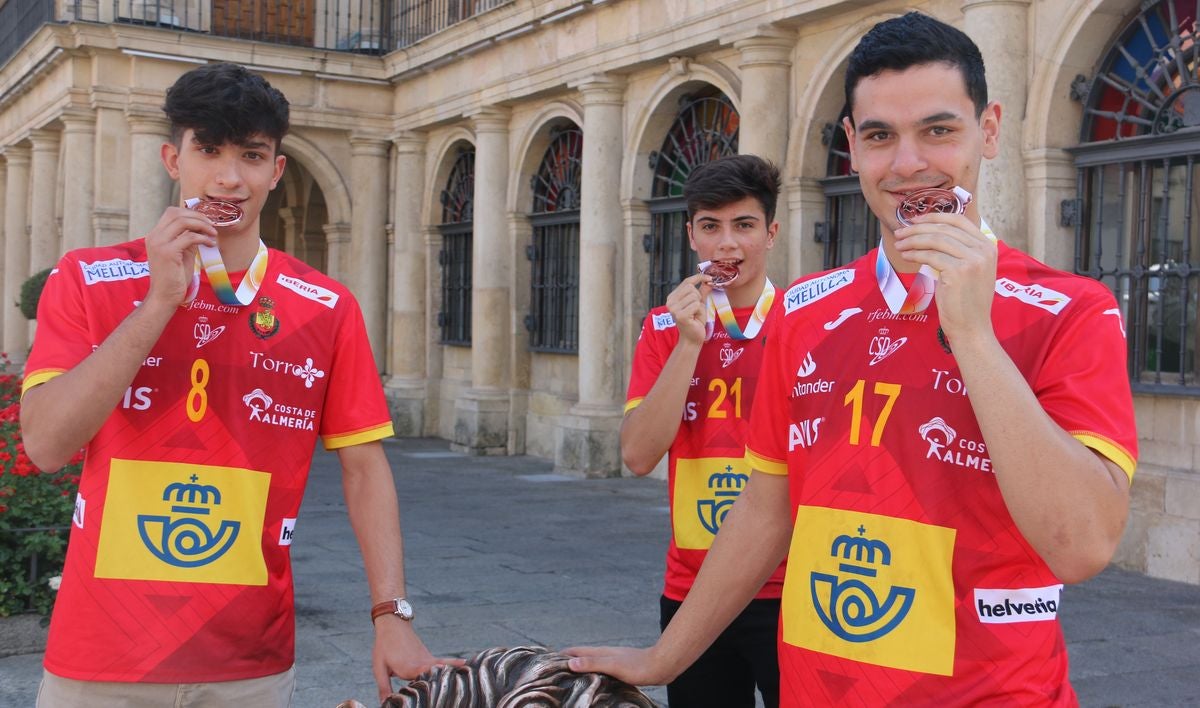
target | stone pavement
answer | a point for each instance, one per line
(500, 551)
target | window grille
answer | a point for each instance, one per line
(1136, 190)
(705, 128)
(553, 320)
(454, 320)
(850, 228)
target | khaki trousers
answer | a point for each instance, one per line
(269, 691)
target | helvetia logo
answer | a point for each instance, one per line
(185, 541)
(1019, 605)
(846, 604)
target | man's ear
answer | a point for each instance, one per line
(851, 137)
(691, 241)
(989, 123)
(280, 163)
(169, 154)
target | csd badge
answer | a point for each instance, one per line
(726, 487)
(185, 541)
(846, 604)
(263, 322)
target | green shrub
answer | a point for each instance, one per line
(35, 511)
(31, 293)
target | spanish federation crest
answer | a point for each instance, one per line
(263, 322)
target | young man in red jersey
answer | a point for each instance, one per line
(694, 377)
(199, 394)
(935, 471)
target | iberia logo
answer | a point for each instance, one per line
(877, 590)
(184, 523)
(263, 322)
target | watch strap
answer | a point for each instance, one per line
(387, 607)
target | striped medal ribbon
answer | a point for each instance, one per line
(718, 306)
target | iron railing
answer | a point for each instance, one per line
(19, 19)
(361, 26)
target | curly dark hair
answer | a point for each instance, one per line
(521, 677)
(911, 40)
(226, 103)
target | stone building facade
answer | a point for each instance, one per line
(501, 188)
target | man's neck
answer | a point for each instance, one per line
(900, 265)
(238, 250)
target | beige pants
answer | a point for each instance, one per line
(268, 691)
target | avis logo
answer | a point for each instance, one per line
(726, 486)
(847, 605)
(186, 541)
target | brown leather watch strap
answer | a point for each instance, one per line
(388, 607)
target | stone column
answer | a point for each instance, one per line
(337, 241)
(44, 249)
(110, 218)
(4, 313)
(368, 240)
(407, 386)
(1050, 175)
(481, 413)
(16, 250)
(590, 441)
(766, 62)
(79, 153)
(1000, 28)
(149, 183)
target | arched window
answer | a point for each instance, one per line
(850, 228)
(455, 258)
(553, 320)
(705, 128)
(1136, 216)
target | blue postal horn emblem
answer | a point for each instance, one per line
(846, 604)
(186, 541)
(726, 486)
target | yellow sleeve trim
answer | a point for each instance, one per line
(1109, 449)
(38, 378)
(633, 403)
(766, 464)
(358, 437)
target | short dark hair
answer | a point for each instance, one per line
(730, 179)
(225, 103)
(911, 40)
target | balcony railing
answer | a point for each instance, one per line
(362, 26)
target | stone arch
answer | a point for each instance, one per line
(438, 171)
(651, 123)
(532, 144)
(1052, 117)
(326, 174)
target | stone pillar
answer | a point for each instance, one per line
(44, 249)
(292, 221)
(368, 240)
(1000, 28)
(1050, 174)
(481, 413)
(589, 440)
(16, 251)
(149, 183)
(110, 217)
(337, 240)
(407, 385)
(4, 311)
(765, 58)
(79, 153)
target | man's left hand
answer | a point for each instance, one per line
(400, 652)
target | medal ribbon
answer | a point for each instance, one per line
(718, 306)
(209, 258)
(907, 301)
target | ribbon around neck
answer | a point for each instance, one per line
(718, 307)
(906, 301)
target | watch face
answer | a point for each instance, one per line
(403, 609)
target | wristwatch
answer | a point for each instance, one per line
(396, 606)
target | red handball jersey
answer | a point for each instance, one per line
(908, 582)
(706, 468)
(178, 567)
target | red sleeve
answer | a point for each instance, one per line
(63, 338)
(649, 358)
(1084, 383)
(766, 444)
(355, 410)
